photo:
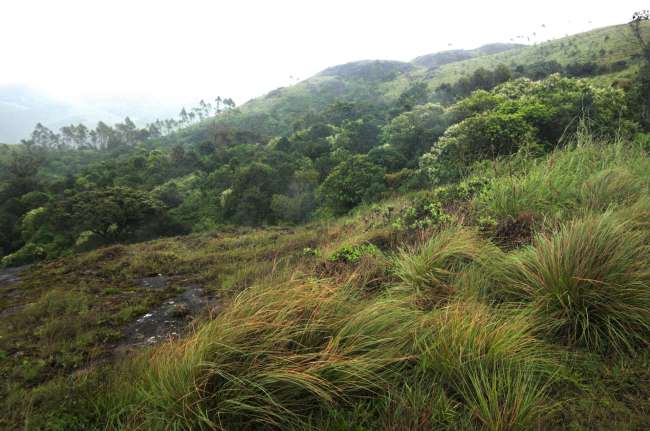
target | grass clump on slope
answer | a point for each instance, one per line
(586, 285)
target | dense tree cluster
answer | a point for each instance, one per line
(484, 79)
(83, 187)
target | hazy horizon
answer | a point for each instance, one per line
(147, 59)
(179, 52)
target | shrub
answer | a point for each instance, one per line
(29, 253)
(460, 191)
(424, 211)
(486, 135)
(587, 285)
(353, 253)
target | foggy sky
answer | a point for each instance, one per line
(179, 51)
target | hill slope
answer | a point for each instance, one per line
(382, 81)
(351, 317)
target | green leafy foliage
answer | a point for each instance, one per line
(352, 182)
(109, 213)
(413, 132)
(353, 253)
(424, 212)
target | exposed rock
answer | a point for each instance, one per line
(10, 275)
(168, 320)
(156, 282)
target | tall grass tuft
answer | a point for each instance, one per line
(491, 361)
(431, 268)
(587, 285)
(589, 176)
(275, 358)
(610, 188)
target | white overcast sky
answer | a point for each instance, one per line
(176, 51)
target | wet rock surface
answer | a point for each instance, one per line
(8, 278)
(168, 320)
(155, 282)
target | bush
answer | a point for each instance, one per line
(353, 253)
(483, 136)
(587, 285)
(29, 253)
(460, 191)
(425, 211)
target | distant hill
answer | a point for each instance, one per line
(371, 70)
(382, 81)
(433, 61)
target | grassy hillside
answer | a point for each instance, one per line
(363, 322)
(392, 264)
(603, 46)
(384, 81)
(438, 59)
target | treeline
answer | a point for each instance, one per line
(105, 137)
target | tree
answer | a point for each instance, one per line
(110, 213)
(312, 142)
(416, 94)
(184, 118)
(229, 103)
(638, 18)
(249, 199)
(22, 169)
(640, 94)
(413, 132)
(352, 182)
(387, 157)
(44, 137)
(357, 136)
(339, 111)
(126, 132)
(105, 136)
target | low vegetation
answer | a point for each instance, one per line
(482, 265)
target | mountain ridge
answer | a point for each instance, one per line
(274, 112)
